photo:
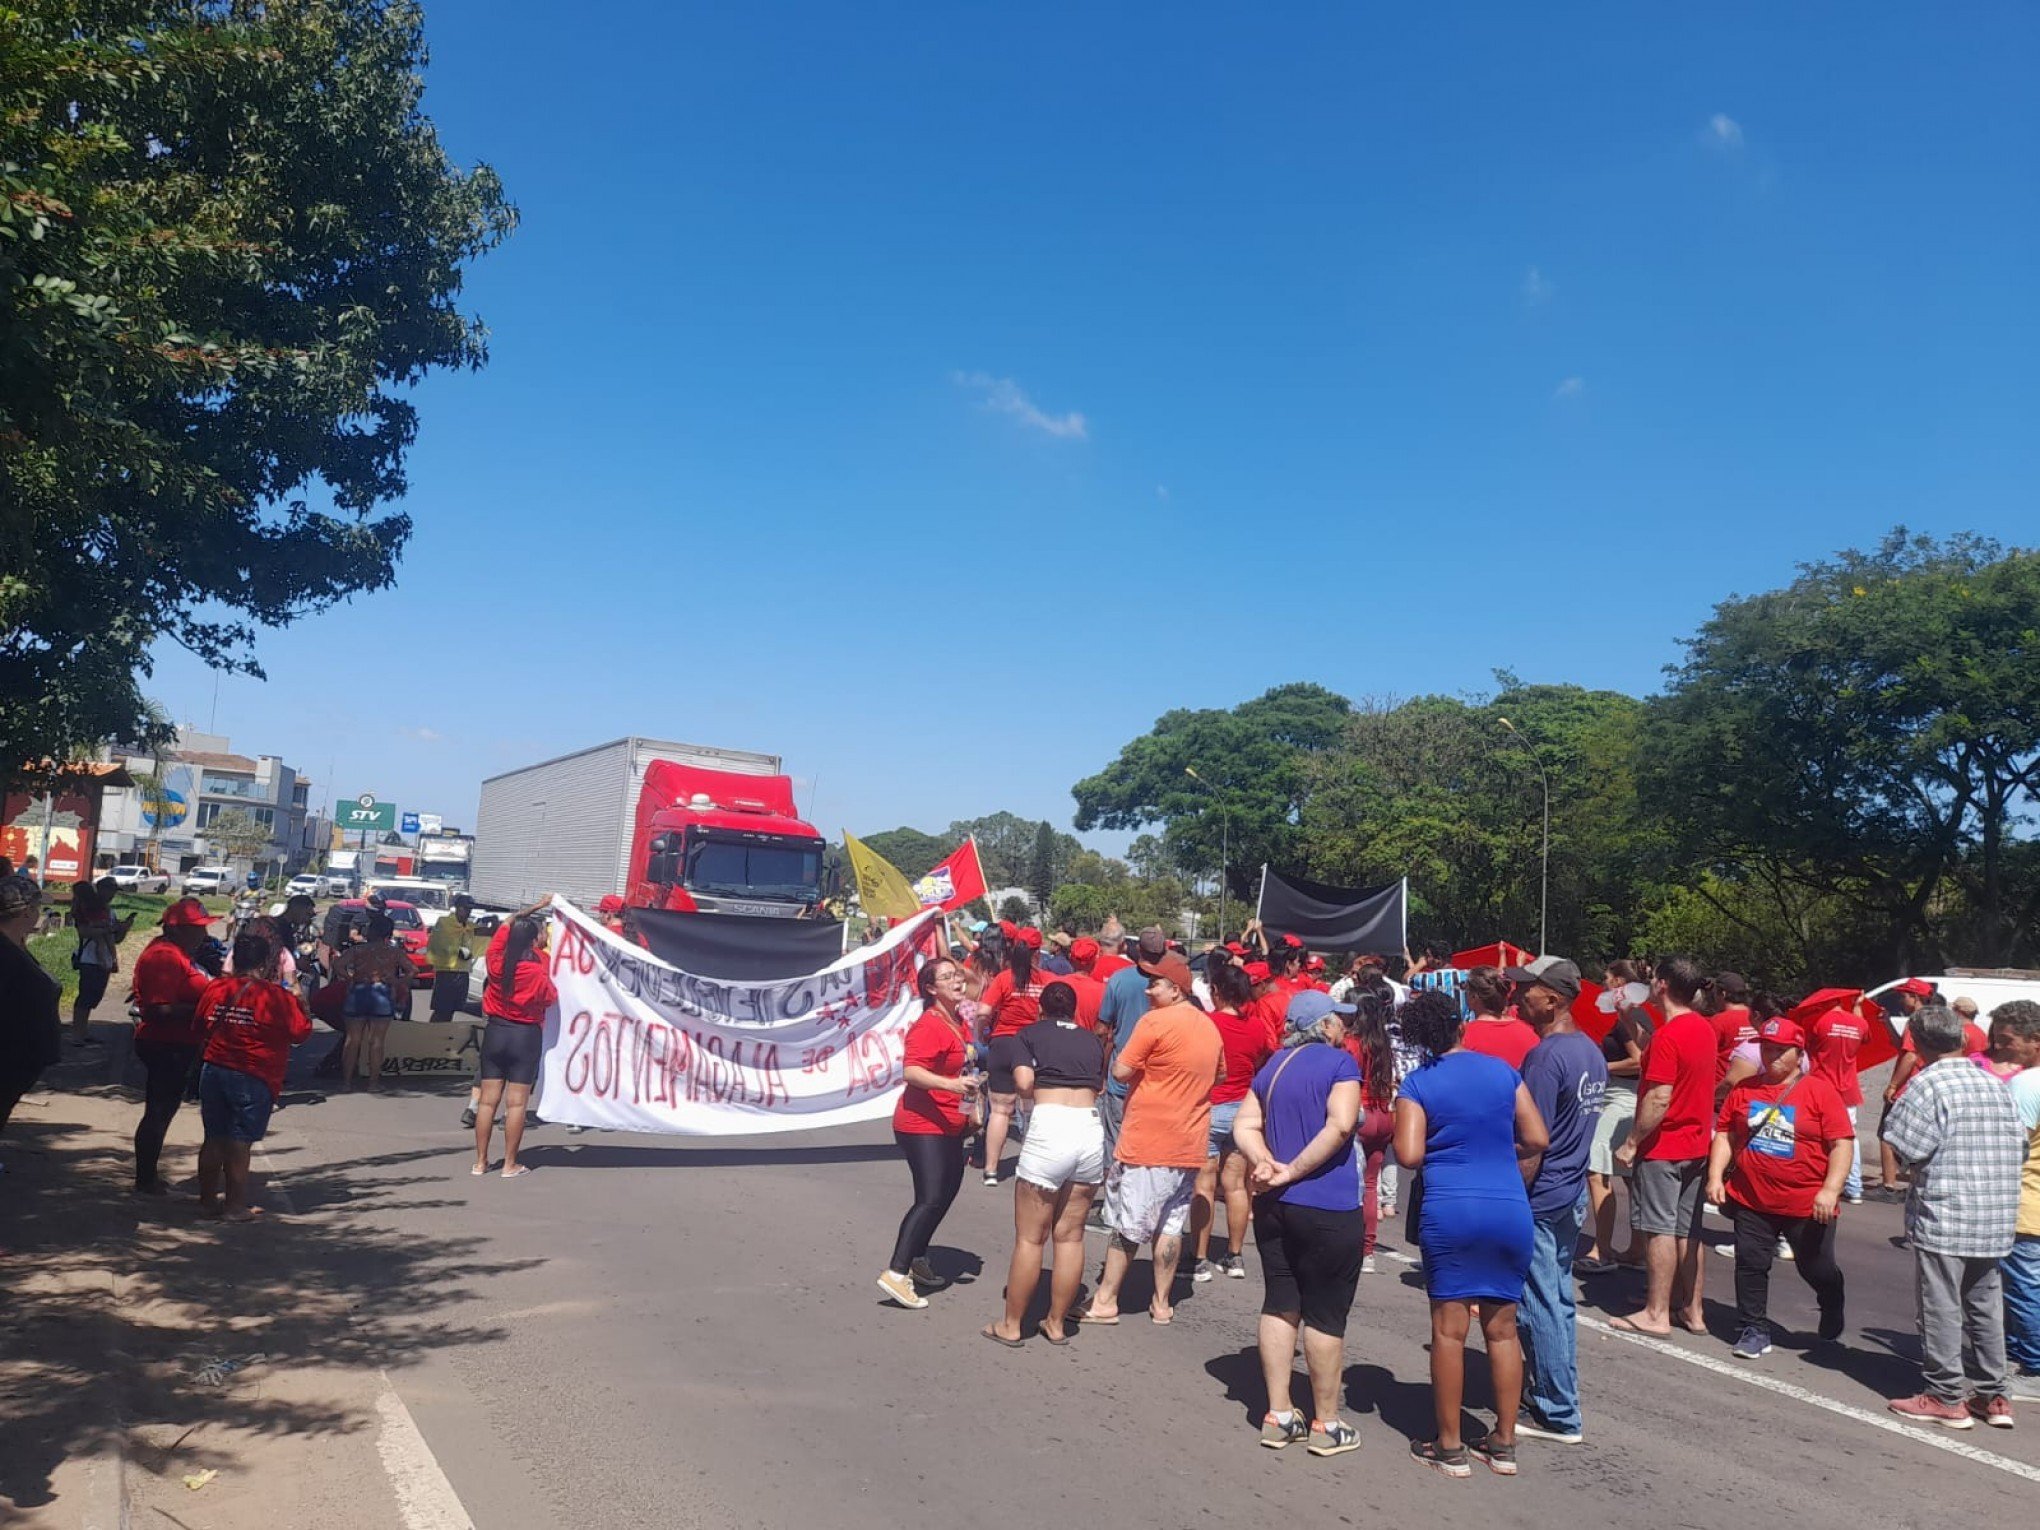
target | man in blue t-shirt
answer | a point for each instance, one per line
(1567, 1078)
(1125, 1001)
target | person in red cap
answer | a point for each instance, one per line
(1084, 981)
(167, 988)
(1012, 999)
(1777, 1164)
(610, 911)
(1314, 974)
(1270, 1003)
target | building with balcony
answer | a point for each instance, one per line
(162, 819)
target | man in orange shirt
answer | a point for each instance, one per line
(1171, 1062)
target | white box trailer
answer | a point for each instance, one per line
(564, 826)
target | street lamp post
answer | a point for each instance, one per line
(1224, 846)
(1544, 864)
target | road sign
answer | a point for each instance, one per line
(365, 814)
(408, 824)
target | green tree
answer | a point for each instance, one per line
(1251, 778)
(912, 851)
(1041, 865)
(1016, 908)
(1006, 844)
(1871, 733)
(230, 246)
(236, 836)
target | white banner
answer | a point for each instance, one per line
(638, 1045)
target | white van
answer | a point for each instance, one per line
(1989, 986)
(430, 899)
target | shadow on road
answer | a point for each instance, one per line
(114, 1303)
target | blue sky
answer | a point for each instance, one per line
(936, 395)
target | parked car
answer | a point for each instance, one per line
(140, 879)
(216, 880)
(336, 884)
(310, 883)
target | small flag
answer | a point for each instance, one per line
(955, 881)
(880, 887)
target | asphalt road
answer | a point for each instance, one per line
(666, 1332)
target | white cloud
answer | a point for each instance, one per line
(1724, 132)
(1537, 288)
(1572, 387)
(423, 735)
(1005, 396)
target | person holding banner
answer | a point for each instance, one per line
(929, 1124)
(1060, 1067)
(515, 999)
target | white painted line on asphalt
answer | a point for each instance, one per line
(424, 1497)
(1938, 1440)
(1885, 1421)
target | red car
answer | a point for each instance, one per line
(411, 935)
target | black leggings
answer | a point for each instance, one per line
(936, 1162)
(1756, 1245)
(169, 1066)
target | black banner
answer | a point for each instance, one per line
(1342, 919)
(739, 948)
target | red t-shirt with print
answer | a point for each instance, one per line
(165, 975)
(1781, 1132)
(250, 1026)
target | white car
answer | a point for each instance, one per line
(140, 879)
(337, 885)
(306, 882)
(209, 879)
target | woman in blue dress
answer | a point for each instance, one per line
(1469, 1122)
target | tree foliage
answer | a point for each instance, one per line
(230, 243)
(1868, 734)
(914, 853)
(1251, 775)
(237, 835)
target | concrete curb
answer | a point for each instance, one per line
(106, 1493)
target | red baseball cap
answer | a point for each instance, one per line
(1009, 929)
(1257, 972)
(610, 904)
(1236, 948)
(1782, 1032)
(1314, 964)
(186, 911)
(1031, 938)
(1294, 942)
(1919, 988)
(1083, 949)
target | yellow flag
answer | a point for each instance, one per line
(880, 886)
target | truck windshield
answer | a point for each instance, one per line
(761, 868)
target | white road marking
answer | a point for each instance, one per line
(425, 1499)
(1939, 1440)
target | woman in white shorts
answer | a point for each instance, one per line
(1059, 1065)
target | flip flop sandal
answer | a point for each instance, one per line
(1057, 1339)
(1158, 1320)
(479, 1169)
(1102, 1322)
(998, 1338)
(517, 1173)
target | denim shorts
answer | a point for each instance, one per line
(1220, 1138)
(233, 1105)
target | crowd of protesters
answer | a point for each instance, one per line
(1247, 1092)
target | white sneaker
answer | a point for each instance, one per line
(1367, 1265)
(901, 1289)
(1726, 1250)
(1785, 1251)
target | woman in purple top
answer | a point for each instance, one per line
(1472, 1126)
(1295, 1128)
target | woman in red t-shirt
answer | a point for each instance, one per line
(1370, 1045)
(928, 1124)
(1780, 1155)
(515, 999)
(1012, 999)
(1245, 1039)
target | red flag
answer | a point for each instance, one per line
(1498, 954)
(955, 881)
